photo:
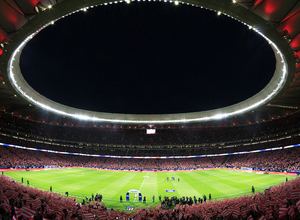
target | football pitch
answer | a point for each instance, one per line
(80, 182)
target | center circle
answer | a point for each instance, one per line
(147, 58)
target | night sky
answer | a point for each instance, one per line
(147, 58)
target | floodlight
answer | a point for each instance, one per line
(39, 7)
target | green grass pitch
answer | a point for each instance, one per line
(81, 182)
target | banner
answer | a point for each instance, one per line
(140, 157)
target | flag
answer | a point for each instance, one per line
(298, 205)
(88, 216)
(49, 210)
(262, 218)
(268, 214)
(59, 216)
(254, 207)
(282, 212)
(27, 212)
(244, 213)
(18, 212)
(236, 213)
(225, 212)
(36, 204)
(6, 207)
(15, 196)
(250, 217)
(294, 195)
(3, 198)
(180, 215)
(291, 212)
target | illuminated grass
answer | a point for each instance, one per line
(112, 184)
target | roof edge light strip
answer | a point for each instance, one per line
(87, 117)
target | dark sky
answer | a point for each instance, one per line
(147, 58)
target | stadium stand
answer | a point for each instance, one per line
(280, 202)
(249, 132)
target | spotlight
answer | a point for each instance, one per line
(39, 7)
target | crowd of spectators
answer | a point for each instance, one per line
(203, 162)
(287, 159)
(280, 202)
(150, 164)
(23, 202)
(96, 162)
(129, 151)
(276, 160)
(98, 136)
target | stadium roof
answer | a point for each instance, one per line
(276, 20)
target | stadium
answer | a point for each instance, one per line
(239, 161)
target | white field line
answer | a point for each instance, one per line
(142, 184)
(220, 177)
(143, 181)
